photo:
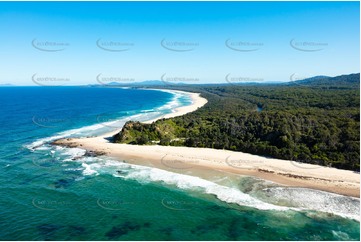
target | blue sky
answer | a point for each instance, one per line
(197, 42)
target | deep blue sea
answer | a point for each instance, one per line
(49, 192)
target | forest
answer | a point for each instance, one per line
(312, 121)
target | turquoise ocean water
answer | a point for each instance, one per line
(55, 193)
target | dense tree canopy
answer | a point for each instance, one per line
(312, 121)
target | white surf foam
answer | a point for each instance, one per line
(36, 145)
(142, 115)
(311, 199)
(73, 153)
(147, 174)
(231, 195)
(89, 169)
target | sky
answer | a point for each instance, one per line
(76, 43)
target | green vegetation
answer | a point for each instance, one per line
(317, 122)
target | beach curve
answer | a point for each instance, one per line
(284, 172)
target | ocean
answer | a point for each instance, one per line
(55, 193)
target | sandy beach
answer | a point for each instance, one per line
(197, 102)
(185, 159)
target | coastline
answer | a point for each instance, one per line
(197, 102)
(185, 159)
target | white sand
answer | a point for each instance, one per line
(181, 159)
(197, 102)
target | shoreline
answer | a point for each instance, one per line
(197, 102)
(204, 160)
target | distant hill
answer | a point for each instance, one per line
(324, 82)
(138, 84)
(343, 81)
(143, 83)
(6, 85)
